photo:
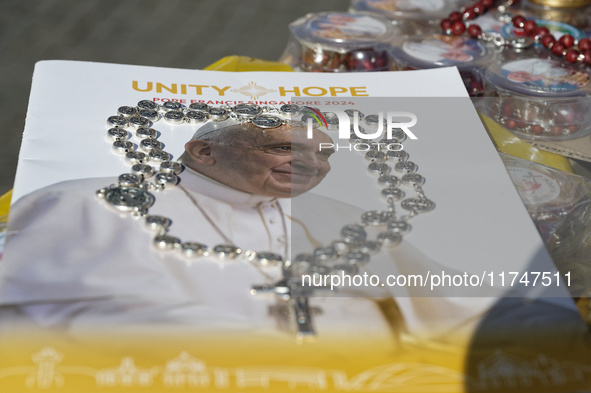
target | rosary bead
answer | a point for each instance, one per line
(529, 26)
(172, 106)
(126, 111)
(446, 24)
(455, 17)
(166, 243)
(518, 21)
(474, 31)
(469, 14)
(479, 8)
(587, 57)
(542, 31)
(117, 133)
(488, 3)
(584, 44)
(548, 40)
(567, 40)
(458, 28)
(572, 55)
(558, 48)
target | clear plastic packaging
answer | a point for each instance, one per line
(470, 56)
(560, 206)
(574, 13)
(340, 42)
(539, 98)
(412, 16)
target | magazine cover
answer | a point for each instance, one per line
(207, 231)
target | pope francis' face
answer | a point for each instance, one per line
(280, 162)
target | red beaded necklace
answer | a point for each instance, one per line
(457, 23)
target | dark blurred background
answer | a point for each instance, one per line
(167, 33)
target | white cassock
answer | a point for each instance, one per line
(73, 262)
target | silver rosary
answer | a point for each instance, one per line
(153, 171)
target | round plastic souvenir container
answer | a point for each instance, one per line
(573, 12)
(470, 56)
(340, 42)
(413, 16)
(539, 99)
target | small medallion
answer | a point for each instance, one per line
(159, 156)
(376, 217)
(355, 257)
(398, 136)
(196, 117)
(157, 223)
(392, 193)
(146, 133)
(413, 179)
(353, 233)
(224, 251)
(379, 168)
(166, 179)
(406, 166)
(118, 134)
(150, 144)
(123, 147)
(389, 180)
(174, 117)
(126, 111)
(147, 104)
(117, 121)
(397, 155)
(401, 227)
(247, 110)
(289, 109)
(325, 253)
(129, 180)
(172, 106)
(136, 157)
(267, 121)
(129, 198)
(138, 121)
(418, 205)
(171, 167)
(199, 106)
(375, 156)
(142, 170)
(193, 249)
(267, 259)
(149, 114)
(218, 114)
(166, 242)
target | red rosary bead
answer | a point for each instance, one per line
(584, 44)
(474, 31)
(518, 21)
(542, 31)
(567, 40)
(479, 8)
(446, 25)
(469, 14)
(548, 40)
(558, 48)
(488, 3)
(455, 17)
(529, 26)
(458, 28)
(572, 55)
(587, 57)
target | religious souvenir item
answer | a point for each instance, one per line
(572, 12)
(340, 42)
(413, 17)
(571, 47)
(539, 99)
(439, 50)
(153, 172)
